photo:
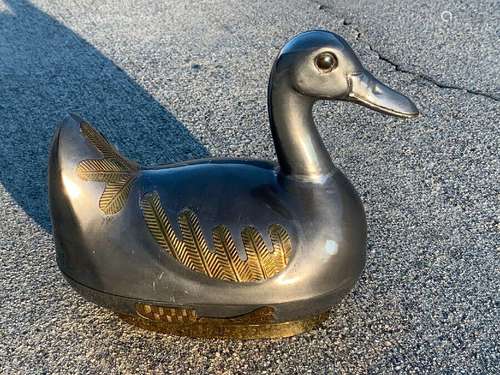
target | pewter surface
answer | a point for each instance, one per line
(426, 300)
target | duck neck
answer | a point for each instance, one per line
(299, 148)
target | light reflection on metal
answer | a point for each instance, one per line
(71, 188)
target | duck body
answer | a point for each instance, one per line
(117, 255)
(221, 247)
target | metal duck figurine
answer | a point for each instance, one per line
(222, 247)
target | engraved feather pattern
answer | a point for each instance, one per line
(160, 227)
(281, 244)
(225, 248)
(260, 260)
(117, 172)
(223, 262)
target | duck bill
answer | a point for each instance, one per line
(368, 91)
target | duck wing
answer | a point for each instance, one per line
(223, 261)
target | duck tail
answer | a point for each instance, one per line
(79, 156)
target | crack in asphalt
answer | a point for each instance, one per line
(399, 68)
(430, 79)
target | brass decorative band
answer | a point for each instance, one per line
(260, 323)
(223, 262)
(165, 314)
(176, 314)
(114, 170)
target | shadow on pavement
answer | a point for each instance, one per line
(46, 71)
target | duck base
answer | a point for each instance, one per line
(258, 324)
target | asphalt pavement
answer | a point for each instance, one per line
(169, 81)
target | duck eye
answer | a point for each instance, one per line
(326, 61)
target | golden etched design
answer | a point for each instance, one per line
(165, 314)
(281, 244)
(257, 324)
(176, 314)
(117, 172)
(226, 251)
(223, 262)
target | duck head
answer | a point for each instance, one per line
(321, 65)
(317, 65)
